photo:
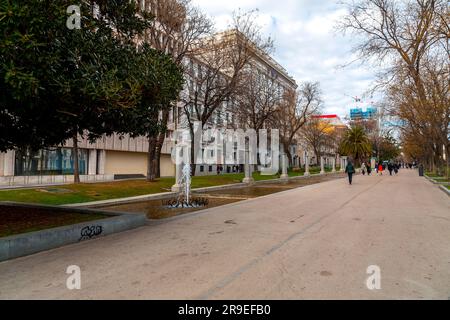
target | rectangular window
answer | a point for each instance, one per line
(58, 161)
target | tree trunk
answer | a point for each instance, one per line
(289, 156)
(192, 155)
(160, 141)
(317, 154)
(288, 153)
(193, 160)
(76, 166)
(158, 152)
(151, 174)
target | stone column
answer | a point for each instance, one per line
(284, 164)
(92, 167)
(8, 163)
(322, 165)
(2, 163)
(342, 165)
(101, 162)
(334, 164)
(307, 165)
(248, 173)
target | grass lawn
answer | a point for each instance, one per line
(433, 175)
(67, 194)
(438, 178)
(14, 220)
(312, 170)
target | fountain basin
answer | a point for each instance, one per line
(160, 209)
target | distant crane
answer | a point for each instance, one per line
(356, 99)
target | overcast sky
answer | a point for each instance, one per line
(305, 44)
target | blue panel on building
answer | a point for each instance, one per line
(360, 114)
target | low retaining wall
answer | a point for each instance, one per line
(23, 181)
(441, 185)
(445, 189)
(34, 242)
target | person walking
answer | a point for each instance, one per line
(369, 169)
(350, 170)
(380, 169)
(390, 168)
(363, 169)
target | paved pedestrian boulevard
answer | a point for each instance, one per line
(315, 242)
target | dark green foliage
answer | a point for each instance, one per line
(56, 82)
(355, 143)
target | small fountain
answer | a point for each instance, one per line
(184, 198)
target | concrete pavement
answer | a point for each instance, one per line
(309, 243)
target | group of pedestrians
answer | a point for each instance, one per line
(392, 167)
(366, 167)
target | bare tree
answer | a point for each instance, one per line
(293, 112)
(258, 100)
(411, 39)
(431, 126)
(317, 134)
(216, 72)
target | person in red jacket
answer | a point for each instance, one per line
(380, 169)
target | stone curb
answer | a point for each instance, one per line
(29, 243)
(431, 179)
(443, 188)
(434, 181)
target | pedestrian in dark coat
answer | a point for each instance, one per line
(369, 169)
(390, 168)
(350, 170)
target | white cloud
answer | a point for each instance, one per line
(305, 44)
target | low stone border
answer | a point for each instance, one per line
(30, 181)
(444, 188)
(436, 181)
(29, 243)
(440, 184)
(430, 179)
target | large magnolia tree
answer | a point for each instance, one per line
(61, 83)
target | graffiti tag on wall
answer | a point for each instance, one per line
(90, 232)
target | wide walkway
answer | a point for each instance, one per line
(313, 242)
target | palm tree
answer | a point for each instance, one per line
(356, 143)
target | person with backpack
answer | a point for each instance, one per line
(350, 170)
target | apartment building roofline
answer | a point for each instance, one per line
(261, 55)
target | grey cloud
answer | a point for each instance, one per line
(306, 45)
